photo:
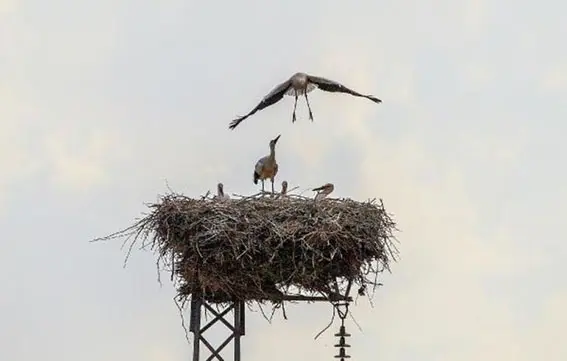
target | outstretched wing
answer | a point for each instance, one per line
(273, 97)
(334, 87)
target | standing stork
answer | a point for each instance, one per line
(220, 193)
(323, 191)
(267, 167)
(300, 84)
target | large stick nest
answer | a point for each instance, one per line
(258, 248)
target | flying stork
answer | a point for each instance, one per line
(267, 167)
(300, 84)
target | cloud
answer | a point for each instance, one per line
(554, 79)
(476, 76)
(44, 60)
(8, 6)
(546, 333)
(80, 161)
(17, 160)
(503, 149)
(474, 15)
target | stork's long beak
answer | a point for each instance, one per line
(276, 139)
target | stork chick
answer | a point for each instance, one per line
(220, 193)
(323, 191)
(267, 167)
(284, 188)
(300, 84)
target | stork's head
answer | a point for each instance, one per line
(274, 141)
(220, 188)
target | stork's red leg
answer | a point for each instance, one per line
(308, 107)
(294, 107)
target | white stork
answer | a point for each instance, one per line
(283, 191)
(300, 84)
(323, 191)
(267, 167)
(284, 188)
(221, 196)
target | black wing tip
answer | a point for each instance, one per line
(374, 99)
(256, 177)
(235, 123)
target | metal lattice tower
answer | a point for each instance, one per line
(236, 323)
(236, 327)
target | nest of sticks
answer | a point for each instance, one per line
(259, 248)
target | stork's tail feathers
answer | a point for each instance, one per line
(256, 177)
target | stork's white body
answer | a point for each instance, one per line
(267, 167)
(300, 85)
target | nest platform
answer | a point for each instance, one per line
(259, 248)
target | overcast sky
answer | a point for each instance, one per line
(102, 101)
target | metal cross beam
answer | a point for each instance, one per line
(236, 327)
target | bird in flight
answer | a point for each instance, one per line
(300, 84)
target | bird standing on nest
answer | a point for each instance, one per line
(323, 191)
(300, 84)
(267, 167)
(220, 193)
(284, 188)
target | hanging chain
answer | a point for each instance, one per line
(342, 310)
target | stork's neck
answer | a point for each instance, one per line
(273, 152)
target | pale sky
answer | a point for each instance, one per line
(101, 102)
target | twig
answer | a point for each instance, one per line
(329, 325)
(180, 308)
